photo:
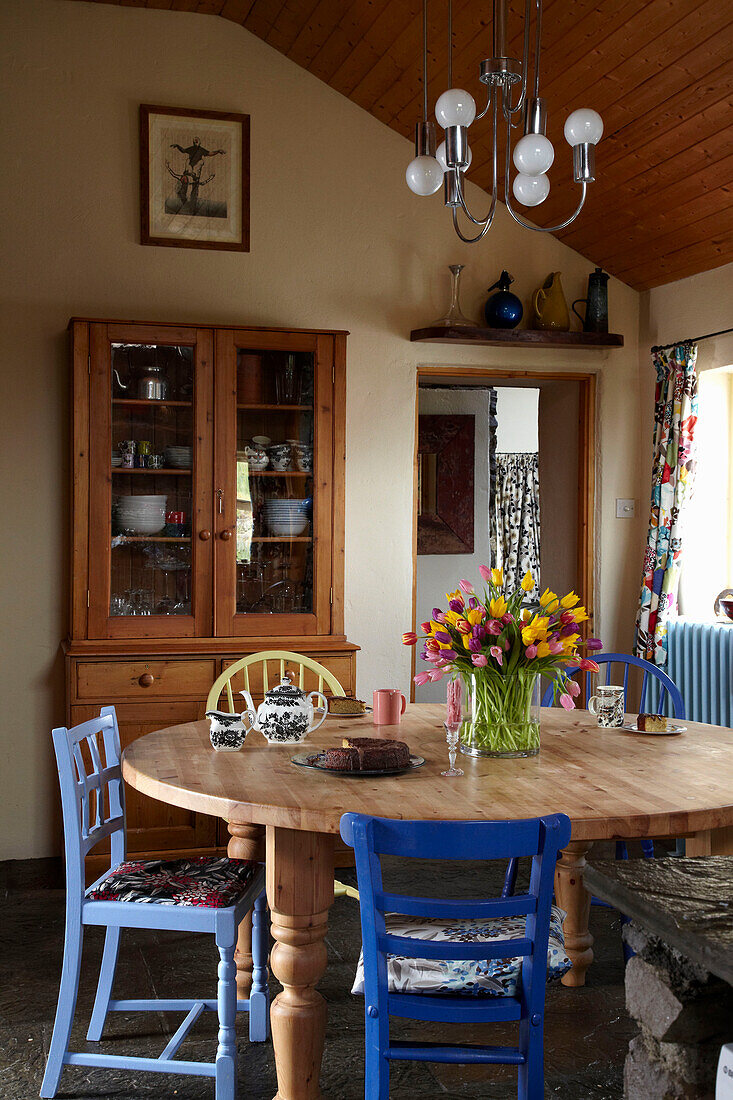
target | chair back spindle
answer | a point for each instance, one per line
(284, 660)
(655, 684)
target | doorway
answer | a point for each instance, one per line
(504, 475)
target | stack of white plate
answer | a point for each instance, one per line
(286, 517)
(116, 458)
(143, 515)
(178, 457)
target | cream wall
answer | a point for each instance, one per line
(337, 241)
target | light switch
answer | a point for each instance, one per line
(625, 509)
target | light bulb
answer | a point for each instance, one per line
(455, 108)
(530, 190)
(424, 175)
(533, 154)
(583, 125)
(440, 157)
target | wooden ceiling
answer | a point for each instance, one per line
(659, 71)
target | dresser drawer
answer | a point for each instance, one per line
(141, 679)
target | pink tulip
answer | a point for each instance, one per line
(466, 586)
(555, 647)
(494, 627)
(485, 573)
(531, 652)
(436, 675)
(439, 616)
(573, 688)
(421, 678)
(480, 660)
(567, 702)
(507, 645)
(508, 618)
(497, 655)
(589, 666)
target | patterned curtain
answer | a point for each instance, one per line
(515, 517)
(675, 415)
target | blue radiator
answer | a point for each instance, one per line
(700, 661)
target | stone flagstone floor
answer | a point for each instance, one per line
(587, 1030)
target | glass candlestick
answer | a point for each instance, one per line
(454, 317)
(453, 724)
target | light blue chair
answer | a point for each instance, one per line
(204, 895)
(541, 839)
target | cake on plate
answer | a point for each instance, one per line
(345, 704)
(358, 754)
(652, 723)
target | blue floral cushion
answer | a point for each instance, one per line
(488, 978)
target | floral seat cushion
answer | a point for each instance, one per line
(487, 978)
(205, 882)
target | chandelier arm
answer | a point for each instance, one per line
(470, 240)
(487, 107)
(484, 222)
(550, 228)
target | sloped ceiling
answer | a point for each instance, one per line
(659, 71)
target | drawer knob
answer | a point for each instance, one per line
(204, 535)
(146, 680)
(225, 536)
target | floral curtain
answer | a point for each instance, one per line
(675, 416)
(515, 517)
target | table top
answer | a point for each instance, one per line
(683, 901)
(609, 782)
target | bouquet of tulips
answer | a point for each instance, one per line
(499, 647)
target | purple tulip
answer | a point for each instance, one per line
(448, 654)
(594, 643)
(438, 615)
(472, 603)
(456, 605)
(479, 632)
(508, 618)
(474, 645)
(442, 636)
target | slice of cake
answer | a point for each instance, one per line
(345, 704)
(652, 723)
(367, 754)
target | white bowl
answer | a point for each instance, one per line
(291, 529)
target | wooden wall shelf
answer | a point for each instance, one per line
(523, 337)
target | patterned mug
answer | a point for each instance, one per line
(608, 705)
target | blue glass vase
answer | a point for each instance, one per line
(503, 309)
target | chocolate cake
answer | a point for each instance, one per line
(652, 723)
(367, 754)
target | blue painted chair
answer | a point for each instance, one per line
(541, 839)
(162, 896)
(656, 683)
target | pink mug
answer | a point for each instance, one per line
(389, 706)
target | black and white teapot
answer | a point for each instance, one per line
(287, 714)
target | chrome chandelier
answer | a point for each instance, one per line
(512, 101)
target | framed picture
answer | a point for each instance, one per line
(194, 178)
(445, 455)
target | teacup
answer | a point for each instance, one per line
(304, 458)
(280, 455)
(256, 458)
(608, 705)
(227, 731)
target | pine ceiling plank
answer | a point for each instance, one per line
(209, 7)
(658, 270)
(356, 21)
(371, 49)
(294, 15)
(237, 10)
(263, 16)
(316, 32)
(713, 231)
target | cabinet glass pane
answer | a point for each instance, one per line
(152, 479)
(274, 480)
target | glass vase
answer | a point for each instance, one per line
(454, 317)
(502, 715)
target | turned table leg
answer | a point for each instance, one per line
(299, 893)
(245, 842)
(573, 897)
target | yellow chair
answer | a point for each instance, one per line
(284, 658)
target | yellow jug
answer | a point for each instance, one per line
(550, 308)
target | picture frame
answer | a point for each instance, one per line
(194, 178)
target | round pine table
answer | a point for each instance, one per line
(612, 784)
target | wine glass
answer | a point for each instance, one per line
(453, 724)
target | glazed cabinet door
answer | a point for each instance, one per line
(273, 483)
(150, 481)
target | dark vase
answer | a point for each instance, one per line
(503, 309)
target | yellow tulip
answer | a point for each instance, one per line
(452, 617)
(466, 640)
(497, 577)
(569, 601)
(543, 650)
(581, 615)
(475, 616)
(457, 595)
(527, 582)
(547, 597)
(498, 607)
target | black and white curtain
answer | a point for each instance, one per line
(515, 518)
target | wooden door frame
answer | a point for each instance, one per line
(586, 468)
